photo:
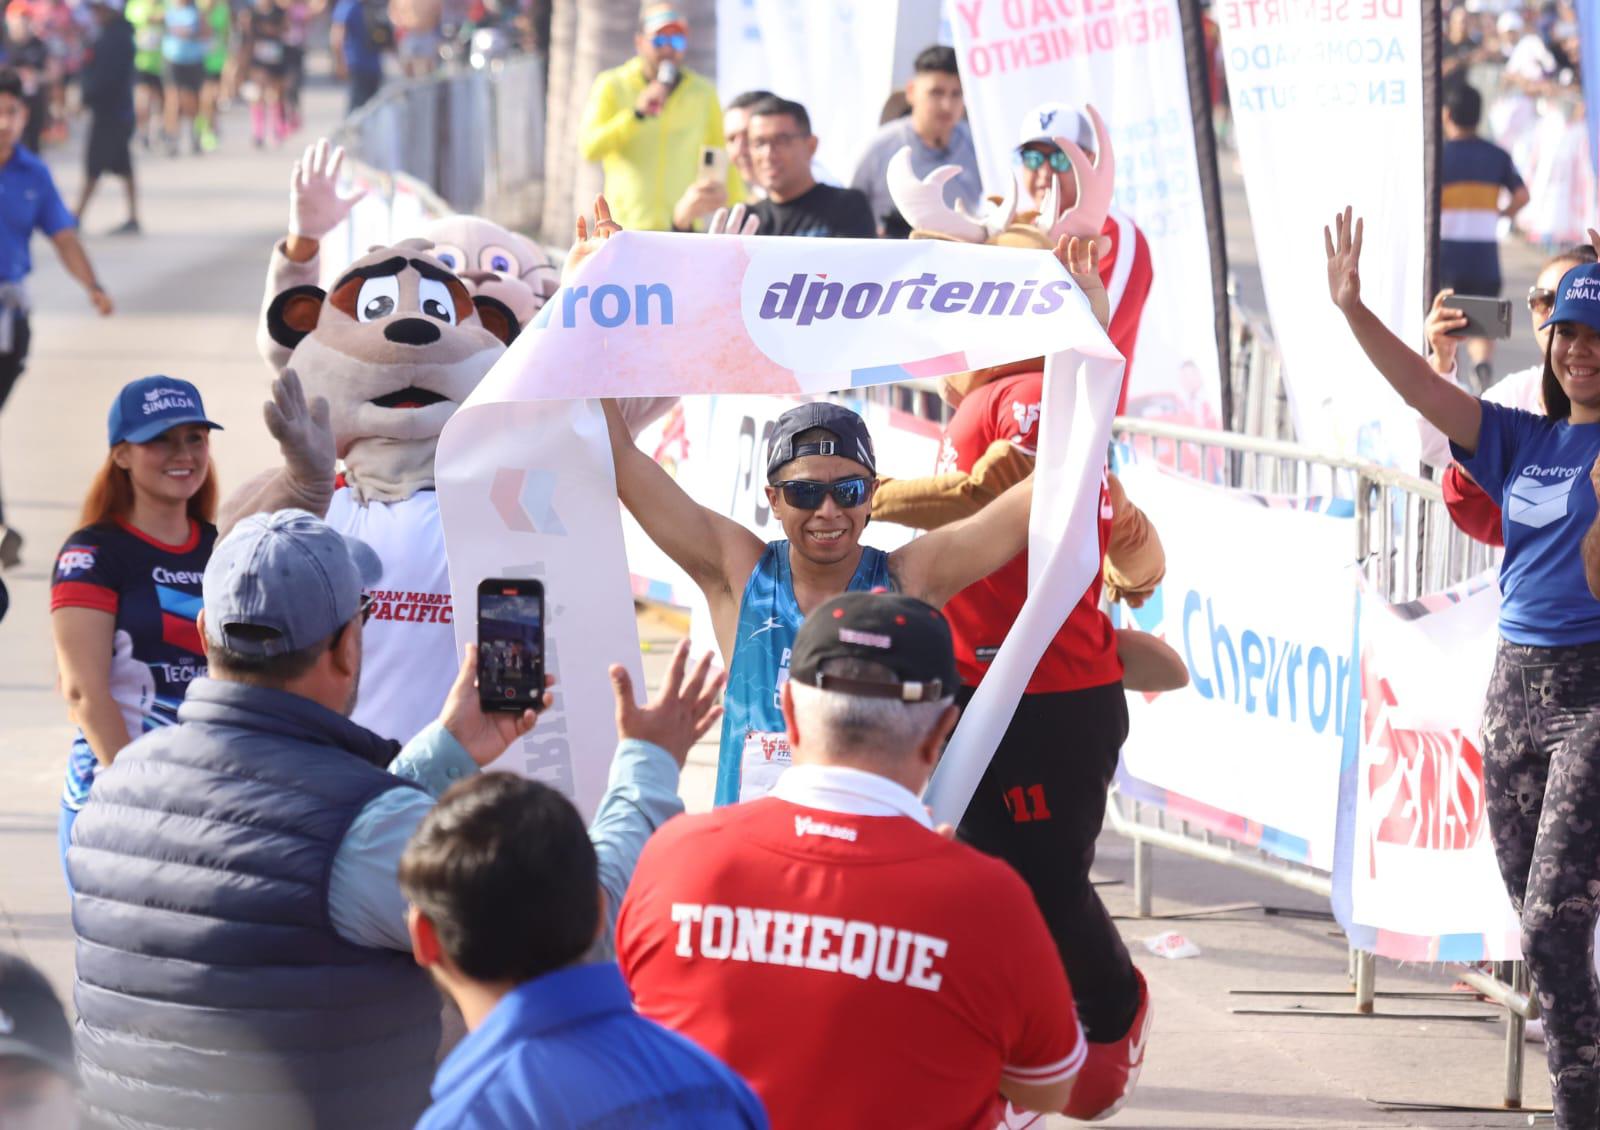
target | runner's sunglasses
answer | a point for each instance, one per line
(1541, 300)
(807, 494)
(679, 43)
(1031, 159)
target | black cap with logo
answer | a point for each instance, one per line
(33, 1025)
(901, 633)
(850, 431)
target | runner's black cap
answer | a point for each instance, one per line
(851, 438)
(905, 635)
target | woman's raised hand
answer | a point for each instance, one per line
(1343, 245)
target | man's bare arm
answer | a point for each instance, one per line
(940, 564)
(713, 549)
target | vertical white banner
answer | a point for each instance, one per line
(1127, 58)
(834, 57)
(1328, 110)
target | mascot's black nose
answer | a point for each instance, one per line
(412, 331)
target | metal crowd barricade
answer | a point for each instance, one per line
(476, 136)
(1406, 545)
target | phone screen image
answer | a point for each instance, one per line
(510, 645)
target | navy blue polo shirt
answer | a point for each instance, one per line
(28, 202)
(567, 1050)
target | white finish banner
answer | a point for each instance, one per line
(1328, 110)
(836, 59)
(1423, 883)
(527, 488)
(1260, 602)
(1125, 57)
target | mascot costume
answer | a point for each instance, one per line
(374, 367)
(1042, 800)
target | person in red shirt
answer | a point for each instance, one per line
(853, 964)
(1041, 802)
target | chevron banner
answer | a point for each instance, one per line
(527, 487)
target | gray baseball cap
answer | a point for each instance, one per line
(853, 440)
(288, 572)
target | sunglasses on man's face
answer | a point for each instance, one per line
(678, 43)
(1033, 158)
(807, 494)
(1541, 299)
(365, 606)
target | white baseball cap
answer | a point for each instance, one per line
(1050, 120)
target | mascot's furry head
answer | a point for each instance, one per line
(922, 204)
(494, 261)
(395, 346)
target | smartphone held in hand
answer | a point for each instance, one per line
(510, 644)
(1486, 317)
(713, 163)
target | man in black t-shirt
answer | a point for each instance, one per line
(781, 148)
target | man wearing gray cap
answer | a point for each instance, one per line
(242, 955)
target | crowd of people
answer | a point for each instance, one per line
(300, 895)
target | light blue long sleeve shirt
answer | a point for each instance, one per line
(364, 899)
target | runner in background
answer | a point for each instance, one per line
(266, 27)
(29, 56)
(183, 47)
(219, 20)
(148, 18)
(297, 25)
(126, 586)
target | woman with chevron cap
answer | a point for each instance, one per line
(1541, 715)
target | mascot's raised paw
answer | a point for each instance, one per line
(304, 431)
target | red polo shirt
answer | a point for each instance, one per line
(856, 968)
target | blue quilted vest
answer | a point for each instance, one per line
(212, 989)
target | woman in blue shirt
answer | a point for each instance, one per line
(1541, 718)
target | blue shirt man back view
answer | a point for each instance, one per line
(505, 904)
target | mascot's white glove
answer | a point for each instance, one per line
(734, 222)
(316, 205)
(303, 432)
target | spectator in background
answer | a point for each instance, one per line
(183, 47)
(505, 905)
(781, 148)
(357, 58)
(854, 965)
(29, 202)
(417, 36)
(937, 133)
(647, 121)
(126, 585)
(736, 135)
(107, 85)
(272, 919)
(37, 1077)
(1476, 176)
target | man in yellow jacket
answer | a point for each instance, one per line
(647, 122)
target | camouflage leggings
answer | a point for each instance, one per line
(1541, 739)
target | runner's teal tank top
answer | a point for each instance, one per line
(755, 749)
